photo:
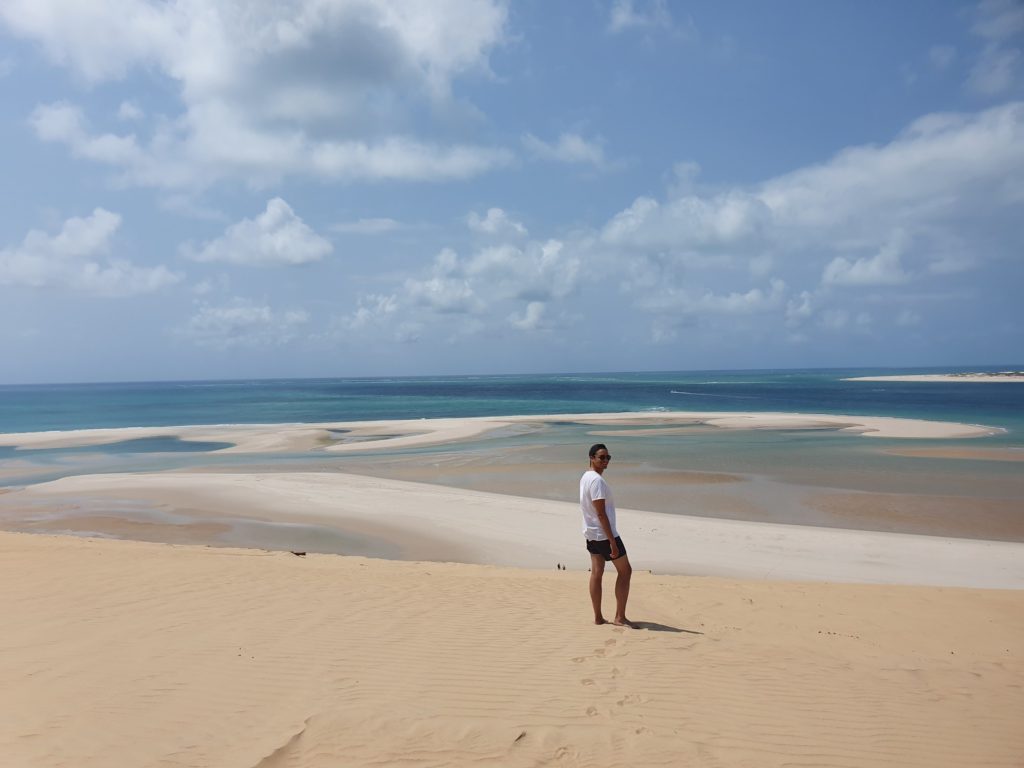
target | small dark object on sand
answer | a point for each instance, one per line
(298, 554)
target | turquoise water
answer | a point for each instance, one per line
(76, 406)
(775, 470)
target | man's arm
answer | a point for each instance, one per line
(602, 518)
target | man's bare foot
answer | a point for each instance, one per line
(600, 620)
(624, 622)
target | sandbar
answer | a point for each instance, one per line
(497, 529)
(361, 436)
(970, 454)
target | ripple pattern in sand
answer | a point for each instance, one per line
(137, 654)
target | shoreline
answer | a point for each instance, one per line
(432, 522)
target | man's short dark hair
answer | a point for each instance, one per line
(597, 447)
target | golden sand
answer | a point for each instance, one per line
(133, 654)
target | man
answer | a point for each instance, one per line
(603, 541)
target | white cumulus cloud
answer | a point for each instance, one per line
(446, 290)
(339, 89)
(919, 178)
(689, 222)
(538, 271)
(677, 300)
(799, 308)
(76, 258)
(884, 268)
(370, 310)
(916, 208)
(509, 284)
(797, 251)
(494, 222)
(531, 318)
(65, 123)
(277, 237)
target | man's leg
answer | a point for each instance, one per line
(625, 572)
(596, 574)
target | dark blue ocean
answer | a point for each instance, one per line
(38, 407)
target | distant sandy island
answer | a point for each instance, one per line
(369, 435)
(133, 654)
(1001, 377)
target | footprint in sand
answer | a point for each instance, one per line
(630, 699)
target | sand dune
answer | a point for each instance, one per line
(118, 653)
(132, 654)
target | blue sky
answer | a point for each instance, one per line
(359, 187)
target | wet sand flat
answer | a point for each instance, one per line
(498, 529)
(970, 454)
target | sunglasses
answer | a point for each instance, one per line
(607, 457)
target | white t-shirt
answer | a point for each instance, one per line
(593, 486)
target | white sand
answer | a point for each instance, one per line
(119, 654)
(514, 531)
(369, 435)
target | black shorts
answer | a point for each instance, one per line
(605, 548)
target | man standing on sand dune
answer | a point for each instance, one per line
(603, 541)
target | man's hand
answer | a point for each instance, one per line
(615, 548)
